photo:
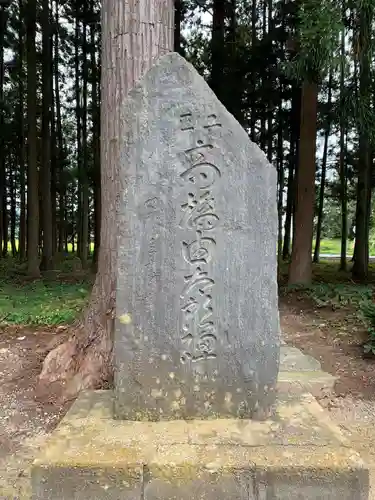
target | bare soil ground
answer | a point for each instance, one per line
(28, 412)
(335, 338)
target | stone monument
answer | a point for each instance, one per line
(197, 333)
(194, 413)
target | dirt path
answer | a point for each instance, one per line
(28, 415)
(335, 338)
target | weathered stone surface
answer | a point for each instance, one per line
(302, 373)
(197, 331)
(298, 454)
(292, 359)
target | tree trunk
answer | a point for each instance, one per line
(300, 267)
(47, 251)
(21, 150)
(60, 144)
(84, 222)
(218, 48)
(95, 97)
(253, 114)
(361, 261)
(179, 11)
(280, 172)
(5, 211)
(3, 17)
(343, 168)
(32, 177)
(86, 359)
(77, 42)
(53, 148)
(324, 172)
(295, 118)
(13, 210)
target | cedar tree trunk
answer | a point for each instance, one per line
(134, 34)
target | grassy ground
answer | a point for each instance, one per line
(47, 301)
(334, 246)
(60, 300)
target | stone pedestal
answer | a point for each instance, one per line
(298, 454)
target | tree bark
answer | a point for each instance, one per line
(361, 260)
(5, 210)
(253, 115)
(280, 172)
(343, 168)
(3, 18)
(84, 223)
(32, 178)
(324, 173)
(78, 109)
(295, 118)
(13, 210)
(179, 12)
(300, 269)
(53, 136)
(86, 359)
(217, 48)
(21, 151)
(60, 143)
(47, 250)
(95, 97)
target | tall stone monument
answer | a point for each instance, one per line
(197, 331)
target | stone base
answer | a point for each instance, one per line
(302, 373)
(299, 454)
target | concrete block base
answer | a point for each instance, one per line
(298, 454)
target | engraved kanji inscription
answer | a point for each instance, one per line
(199, 218)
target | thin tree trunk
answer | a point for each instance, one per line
(178, 18)
(77, 42)
(53, 148)
(84, 223)
(232, 78)
(3, 17)
(95, 75)
(280, 171)
(327, 133)
(300, 267)
(60, 144)
(32, 177)
(88, 357)
(270, 104)
(360, 266)
(47, 252)
(253, 114)
(21, 150)
(13, 209)
(280, 164)
(218, 48)
(343, 168)
(293, 160)
(5, 212)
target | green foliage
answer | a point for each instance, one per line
(42, 302)
(338, 295)
(318, 27)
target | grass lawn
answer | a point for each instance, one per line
(61, 300)
(42, 303)
(334, 246)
